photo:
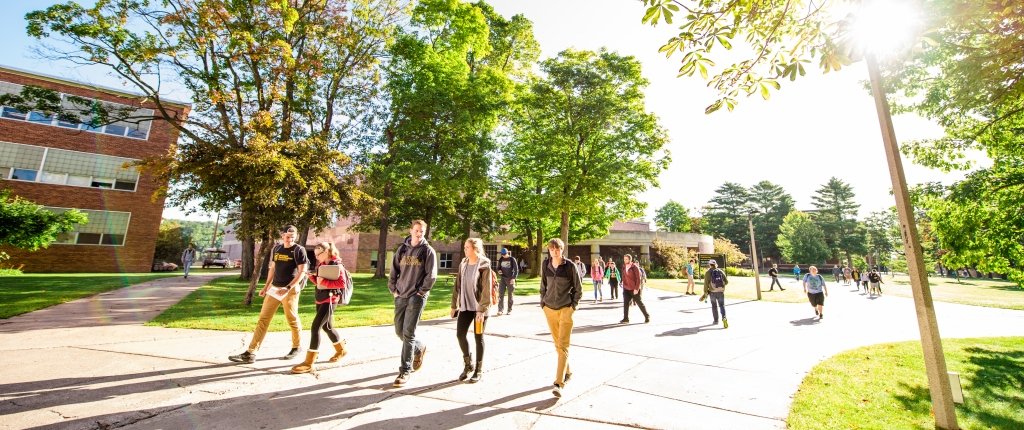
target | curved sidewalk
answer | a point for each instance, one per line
(91, 364)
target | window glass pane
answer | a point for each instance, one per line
(12, 113)
(5, 172)
(24, 175)
(20, 156)
(67, 124)
(68, 237)
(124, 185)
(89, 238)
(40, 118)
(79, 181)
(373, 259)
(112, 239)
(54, 178)
(138, 134)
(114, 129)
(102, 183)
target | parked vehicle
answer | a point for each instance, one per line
(163, 266)
(213, 257)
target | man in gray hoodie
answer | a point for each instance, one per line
(413, 272)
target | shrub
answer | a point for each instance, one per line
(736, 271)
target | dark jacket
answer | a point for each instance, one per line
(483, 286)
(413, 270)
(631, 278)
(510, 272)
(560, 286)
(773, 272)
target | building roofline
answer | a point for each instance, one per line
(79, 84)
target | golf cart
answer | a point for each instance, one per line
(215, 257)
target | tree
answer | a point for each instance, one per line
(801, 240)
(733, 254)
(771, 203)
(583, 129)
(837, 217)
(673, 258)
(273, 83)
(883, 235)
(26, 225)
(673, 217)
(726, 214)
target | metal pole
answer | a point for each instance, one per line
(753, 257)
(934, 360)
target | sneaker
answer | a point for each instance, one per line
(715, 322)
(647, 320)
(417, 359)
(821, 316)
(565, 380)
(500, 313)
(624, 322)
(291, 354)
(402, 378)
(725, 323)
(557, 391)
(245, 357)
(509, 312)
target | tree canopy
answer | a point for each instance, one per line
(801, 240)
(673, 217)
(29, 226)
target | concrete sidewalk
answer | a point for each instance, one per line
(676, 372)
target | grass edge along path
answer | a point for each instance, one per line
(884, 386)
(218, 305)
(34, 291)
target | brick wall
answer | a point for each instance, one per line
(137, 253)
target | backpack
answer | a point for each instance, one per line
(494, 288)
(717, 278)
(643, 276)
(873, 277)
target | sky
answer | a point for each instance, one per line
(820, 126)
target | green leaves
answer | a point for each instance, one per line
(28, 226)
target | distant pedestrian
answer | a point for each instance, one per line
(814, 286)
(560, 293)
(796, 272)
(582, 268)
(875, 280)
(471, 298)
(774, 273)
(187, 257)
(836, 272)
(855, 277)
(597, 275)
(611, 273)
(689, 279)
(413, 273)
(715, 281)
(328, 295)
(286, 276)
(632, 286)
(846, 275)
(508, 268)
(864, 280)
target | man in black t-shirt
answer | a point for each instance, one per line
(774, 273)
(287, 276)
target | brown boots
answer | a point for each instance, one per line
(339, 351)
(306, 366)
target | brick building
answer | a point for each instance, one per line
(79, 165)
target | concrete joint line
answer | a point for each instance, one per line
(698, 404)
(149, 414)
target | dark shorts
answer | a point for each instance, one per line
(817, 299)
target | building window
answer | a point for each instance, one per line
(373, 259)
(103, 228)
(5, 173)
(446, 261)
(137, 128)
(63, 167)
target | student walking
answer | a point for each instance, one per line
(187, 257)
(413, 273)
(689, 279)
(864, 280)
(796, 272)
(836, 272)
(328, 295)
(875, 280)
(580, 267)
(597, 275)
(611, 273)
(286, 276)
(471, 298)
(774, 273)
(715, 281)
(846, 275)
(814, 286)
(855, 276)
(508, 268)
(632, 284)
(560, 293)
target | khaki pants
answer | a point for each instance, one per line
(560, 324)
(291, 313)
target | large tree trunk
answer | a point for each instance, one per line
(266, 245)
(538, 258)
(565, 229)
(248, 249)
(304, 231)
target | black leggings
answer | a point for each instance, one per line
(462, 328)
(614, 284)
(322, 320)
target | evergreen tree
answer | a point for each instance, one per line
(837, 217)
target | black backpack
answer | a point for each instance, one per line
(717, 278)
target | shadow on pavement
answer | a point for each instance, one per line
(686, 331)
(805, 321)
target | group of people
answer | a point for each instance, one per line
(869, 280)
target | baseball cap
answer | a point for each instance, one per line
(504, 251)
(288, 228)
(712, 263)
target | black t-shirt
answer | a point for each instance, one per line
(285, 263)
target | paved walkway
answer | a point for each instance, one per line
(91, 364)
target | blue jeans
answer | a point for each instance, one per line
(717, 302)
(597, 289)
(407, 316)
(188, 265)
(506, 284)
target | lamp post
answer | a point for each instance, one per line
(753, 256)
(934, 360)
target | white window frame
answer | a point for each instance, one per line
(42, 164)
(54, 122)
(126, 227)
(441, 260)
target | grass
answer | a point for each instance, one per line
(218, 305)
(884, 387)
(34, 291)
(740, 288)
(974, 291)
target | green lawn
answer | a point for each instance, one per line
(34, 291)
(979, 292)
(884, 387)
(740, 288)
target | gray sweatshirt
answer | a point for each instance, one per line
(414, 269)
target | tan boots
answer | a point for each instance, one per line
(339, 351)
(306, 366)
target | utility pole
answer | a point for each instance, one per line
(934, 360)
(753, 256)
(216, 226)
